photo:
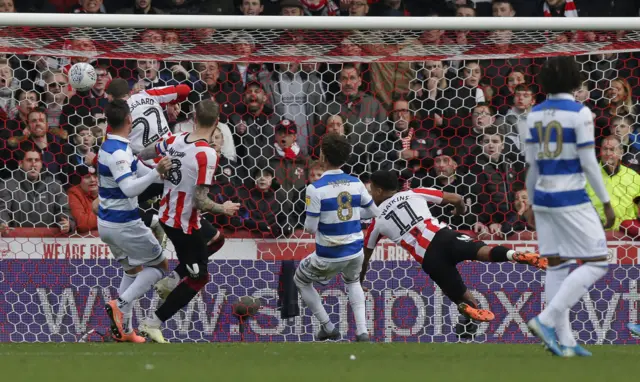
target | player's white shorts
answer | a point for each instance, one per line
(574, 234)
(132, 245)
(316, 269)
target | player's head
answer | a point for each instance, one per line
(118, 116)
(383, 185)
(207, 114)
(336, 150)
(118, 88)
(560, 75)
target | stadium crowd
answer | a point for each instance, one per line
(452, 124)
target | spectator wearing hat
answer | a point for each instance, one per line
(252, 126)
(445, 175)
(33, 198)
(288, 163)
(81, 198)
(291, 8)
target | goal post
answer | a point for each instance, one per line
(421, 96)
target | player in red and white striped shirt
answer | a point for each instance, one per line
(186, 187)
(406, 220)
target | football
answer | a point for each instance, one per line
(82, 76)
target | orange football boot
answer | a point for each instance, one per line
(132, 337)
(532, 259)
(115, 315)
(477, 314)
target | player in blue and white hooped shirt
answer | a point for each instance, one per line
(335, 205)
(561, 156)
(121, 178)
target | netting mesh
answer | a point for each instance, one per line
(443, 109)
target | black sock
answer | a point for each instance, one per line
(499, 254)
(177, 299)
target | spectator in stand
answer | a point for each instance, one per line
(141, 7)
(298, 195)
(497, 177)
(33, 198)
(8, 86)
(358, 8)
(559, 8)
(503, 101)
(291, 8)
(516, 222)
(253, 125)
(252, 7)
(470, 145)
(55, 95)
(81, 198)
(459, 99)
(407, 145)
(295, 95)
(51, 143)
(221, 86)
(364, 114)
(6, 6)
(321, 7)
(289, 163)
(147, 74)
(444, 175)
(89, 6)
(617, 101)
(85, 149)
(502, 8)
(25, 102)
(621, 126)
(261, 211)
(515, 121)
(431, 81)
(623, 187)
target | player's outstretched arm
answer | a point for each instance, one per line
(456, 200)
(203, 203)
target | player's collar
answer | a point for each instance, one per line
(333, 172)
(117, 138)
(566, 96)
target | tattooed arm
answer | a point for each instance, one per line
(203, 203)
(148, 152)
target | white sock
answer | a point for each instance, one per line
(125, 283)
(154, 221)
(174, 279)
(142, 284)
(571, 291)
(554, 278)
(357, 301)
(314, 302)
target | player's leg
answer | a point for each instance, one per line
(191, 251)
(447, 248)
(215, 241)
(313, 269)
(351, 275)
(634, 329)
(142, 252)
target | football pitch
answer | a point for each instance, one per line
(310, 362)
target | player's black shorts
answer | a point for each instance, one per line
(447, 249)
(190, 248)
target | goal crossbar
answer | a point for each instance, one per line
(319, 23)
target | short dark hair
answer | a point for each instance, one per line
(37, 109)
(350, 65)
(560, 74)
(492, 130)
(118, 88)
(336, 149)
(522, 88)
(116, 112)
(386, 180)
(207, 113)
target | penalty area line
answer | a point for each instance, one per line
(83, 354)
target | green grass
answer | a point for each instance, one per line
(262, 362)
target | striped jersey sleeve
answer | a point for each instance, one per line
(120, 165)
(372, 236)
(207, 160)
(313, 201)
(431, 195)
(584, 128)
